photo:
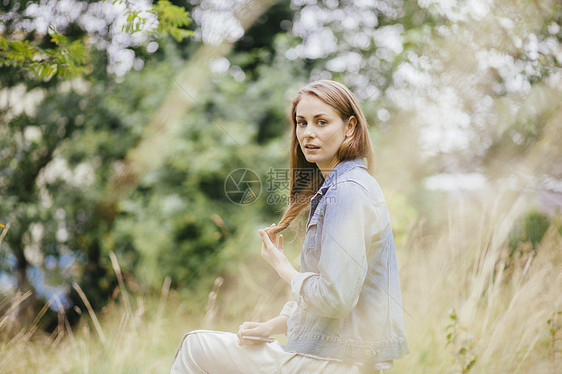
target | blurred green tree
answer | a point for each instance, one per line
(69, 164)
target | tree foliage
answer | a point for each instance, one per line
(69, 59)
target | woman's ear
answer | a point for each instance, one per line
(350, 126)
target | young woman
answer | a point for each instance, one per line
(346, 316)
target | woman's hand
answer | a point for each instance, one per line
(261, 329)
(274, 255)
(276, 325)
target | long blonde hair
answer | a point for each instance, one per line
(305, 177)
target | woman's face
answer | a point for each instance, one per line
(320, 132)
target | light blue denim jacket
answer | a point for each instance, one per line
(347, 296)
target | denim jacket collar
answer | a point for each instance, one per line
(337, 172)
(340, 169)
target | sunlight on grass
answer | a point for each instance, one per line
(470, 305)
(141, 341)
(476, 309)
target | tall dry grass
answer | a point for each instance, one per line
(471, 308)
(140, 338)
(474, 308)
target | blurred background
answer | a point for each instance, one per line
(142, 147)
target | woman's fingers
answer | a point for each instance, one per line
(241, 332)
(268, 250)
(272, 254)
(250, 329)
(268, 238)
(271, 233)
(265, 238)
(249, 325)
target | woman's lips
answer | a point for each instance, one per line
(311, 148)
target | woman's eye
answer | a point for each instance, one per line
(301, 123)
(321, 122)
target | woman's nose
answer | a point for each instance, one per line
(309, 132)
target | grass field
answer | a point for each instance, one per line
(470, 305)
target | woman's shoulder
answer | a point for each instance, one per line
(359, 180)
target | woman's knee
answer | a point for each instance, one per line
(204, 348)
(204, 351)
(193, 346)
(187, 356)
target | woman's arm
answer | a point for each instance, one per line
(342, 267)
(334, 290)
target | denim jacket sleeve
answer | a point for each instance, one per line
(335, 290)
(288, 308)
